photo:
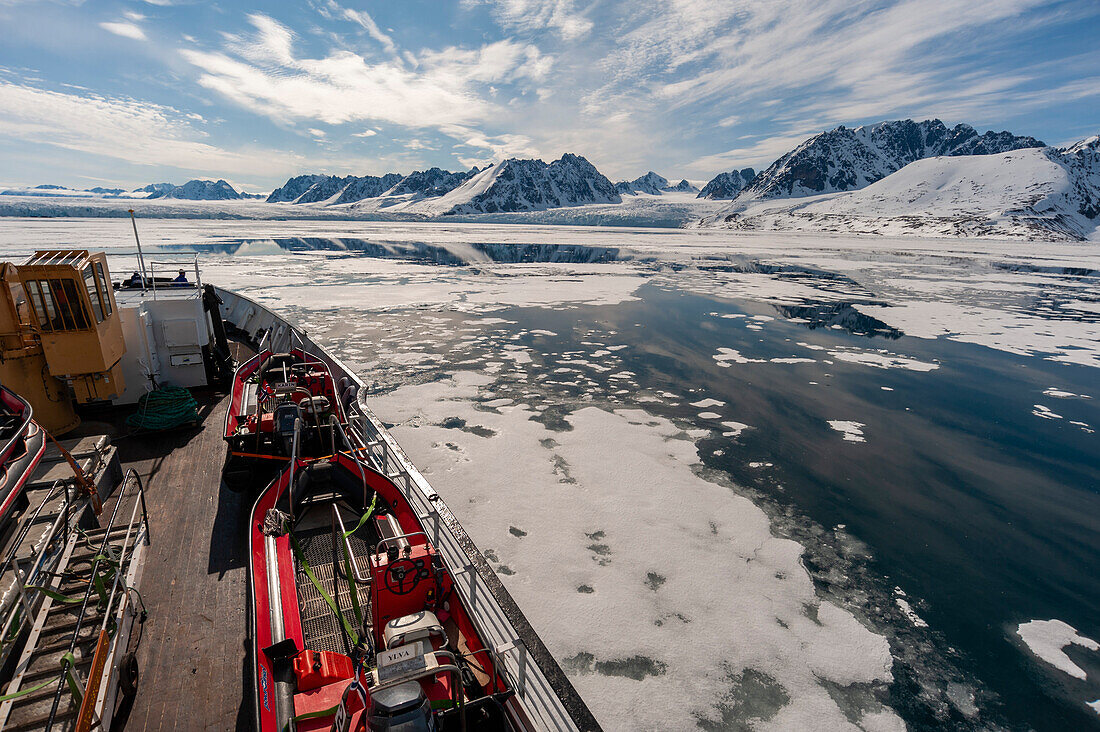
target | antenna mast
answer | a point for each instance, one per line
(141, 258)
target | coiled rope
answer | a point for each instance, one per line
(163, 409)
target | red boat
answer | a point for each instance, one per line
(22, 443)
(270, 392)
(355, 624)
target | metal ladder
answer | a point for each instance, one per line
(63, 619)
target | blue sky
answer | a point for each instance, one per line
(95, 93)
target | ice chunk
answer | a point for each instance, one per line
(852, 431)
(1047, 638)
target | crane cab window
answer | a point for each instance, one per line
(57, 305)
(104, 289)
(101, 301)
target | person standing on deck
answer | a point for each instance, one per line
(181, 278)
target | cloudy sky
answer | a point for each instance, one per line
(95, 93)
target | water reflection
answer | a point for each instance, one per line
(839, 315)
(457, 254)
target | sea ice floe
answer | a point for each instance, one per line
(650, 638)
(792, 359)
(709, 415)
(1047, 638)
(708, 402)
(1062, 394)
(726, 356)
(907, 609)
(735, 428)
(852, 431)
(1045, 412)
(882, 360)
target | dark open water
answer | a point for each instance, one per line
(986, 515)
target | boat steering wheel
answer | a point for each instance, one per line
(402, 576)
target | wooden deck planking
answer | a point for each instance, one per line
(192, 651)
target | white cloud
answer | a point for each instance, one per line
(124, 129)
(262, 73)
(856, 59)
(365, 133)
(132, 16)
(126, 30)
(532, 16)
(362, 18)
(496, 147)
(760, 154)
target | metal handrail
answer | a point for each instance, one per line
(293, 465)
(351, 453)
(361, 423)
(378, 548)
(451, 668)
(153, 273)
(338, 522)
(66, 665)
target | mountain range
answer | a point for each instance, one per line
(654, 185)
(897, 177)
(508, 186)
(845, 159)
(1023, 192)
(192, 190)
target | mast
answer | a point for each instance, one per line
(141, 258)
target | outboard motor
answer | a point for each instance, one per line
(285, 416)
(403, 707)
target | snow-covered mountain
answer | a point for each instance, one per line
(684, 186)
(294, 188)
(1046, 193)
(201, 190)
(654, 185)
(430, 183)
(512, 185)
(650, 183)
(726, 186)
(49, 190)
(846, 159)
(334, 190)
(530, 185)
(367, 186)
(155, 188)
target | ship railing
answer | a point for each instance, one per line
(141, 527)
(375, 443)
(542, 706)
(193, 261)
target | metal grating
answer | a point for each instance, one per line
(321, 629)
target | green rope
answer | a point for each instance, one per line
(69, 678)
(364, 517)
(163, 409)
(353, 591)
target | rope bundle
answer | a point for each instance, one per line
(163, 409)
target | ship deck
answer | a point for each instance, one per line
(192, 653)
(193, 649)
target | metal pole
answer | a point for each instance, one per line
(141, 257)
